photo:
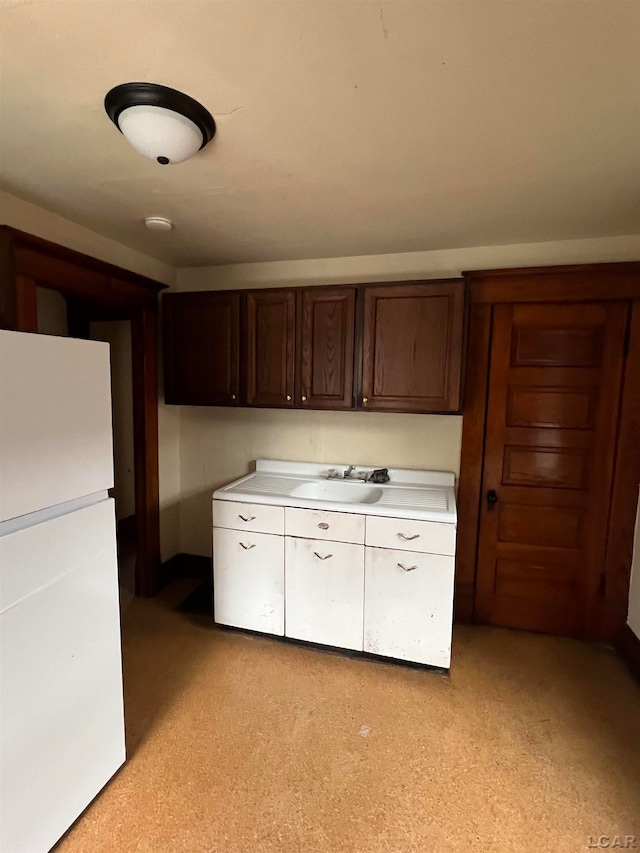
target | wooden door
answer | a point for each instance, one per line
(554, 392)
(412, 347)
(326, 347)
(270, 347)
(202, 348)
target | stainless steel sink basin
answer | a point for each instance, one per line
(339, 492)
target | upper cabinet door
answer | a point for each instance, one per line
(326, 347)
(412, 347)
(202, 348)
(270, 347)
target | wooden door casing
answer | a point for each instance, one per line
(270, 348)
(412, 346)
(326, 329)
(552, 414)
(202, 348)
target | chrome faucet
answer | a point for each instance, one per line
(346, 474)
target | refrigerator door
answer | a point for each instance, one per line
(61, 705)
(55, 421)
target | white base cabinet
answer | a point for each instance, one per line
(324, 592)
(248, 580)
(408, 605)
(367, 583)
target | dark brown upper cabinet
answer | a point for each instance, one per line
(270, 319)
(202, 348)
(325, 352)
(412, 346)
(393, 347)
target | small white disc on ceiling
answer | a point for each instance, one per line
(158, 223)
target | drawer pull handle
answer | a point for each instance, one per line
(248, 547)
(409, 538)
(323, 525)
(248, 518)
(406, 568)
(326, 557)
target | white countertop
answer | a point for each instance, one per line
(424, 495)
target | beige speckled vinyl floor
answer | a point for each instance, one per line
(239, 744)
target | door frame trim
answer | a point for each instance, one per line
(95, 289)
(579, 283)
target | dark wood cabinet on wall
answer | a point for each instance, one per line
(412, 347)
(202, 348)
(392, 347)
(326, 329)
(270, 347)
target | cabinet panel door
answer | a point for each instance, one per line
(270, 344)
(412, 347)
(326, 347)
(325, 590)
(248, 580)
(202, 348)
(408, 605)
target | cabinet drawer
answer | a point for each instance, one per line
(408, 605)
(324, 524)
(256, 518)
(429, 537)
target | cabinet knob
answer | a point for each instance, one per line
(323, 525)
(365, 400)
(406, 568)
(288, 397)
(304, 398)
(233, 396)
(409, 538)
(320, 557)
(248, 547)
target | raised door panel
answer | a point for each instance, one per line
(408, 605)
(270, 348)
(202, 348)
(325, 592)
(412, 347)
(326, 347)
(248, 580)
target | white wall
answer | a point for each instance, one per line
(218, 445)
(633, 617)
(117, 333)
(441, 264)
(52, 312)
(35, 220)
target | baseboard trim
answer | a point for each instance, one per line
(628, 647)
(185, 566)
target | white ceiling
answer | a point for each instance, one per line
(344, 128)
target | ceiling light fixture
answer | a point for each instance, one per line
(161, 123)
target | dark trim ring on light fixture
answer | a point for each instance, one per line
(154, 95)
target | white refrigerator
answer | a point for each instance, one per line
(61, 704)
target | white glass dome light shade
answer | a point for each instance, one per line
(160, 134)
